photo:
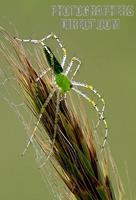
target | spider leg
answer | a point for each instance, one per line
(34, 41)
(90, 87)
(56, 117)
(99, 114)
(42, 74)
(55, 123)
(74, 59)
(39, 119)
(28, 40)
(41, 41)
(52, 35)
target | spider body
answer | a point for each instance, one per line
(64, 84)
(61, 80)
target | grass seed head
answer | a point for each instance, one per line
(82, 170)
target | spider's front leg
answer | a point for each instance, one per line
(41, 41)
(73, 60)
(52, 35)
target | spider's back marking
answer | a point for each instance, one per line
(52, 60)
(63, 82)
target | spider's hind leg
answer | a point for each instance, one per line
(99, 112)
(55, 123)
(39, 119)
(94, 91)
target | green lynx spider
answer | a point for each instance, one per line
(64, 84)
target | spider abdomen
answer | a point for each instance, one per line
(52, 60)
(63, 82)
